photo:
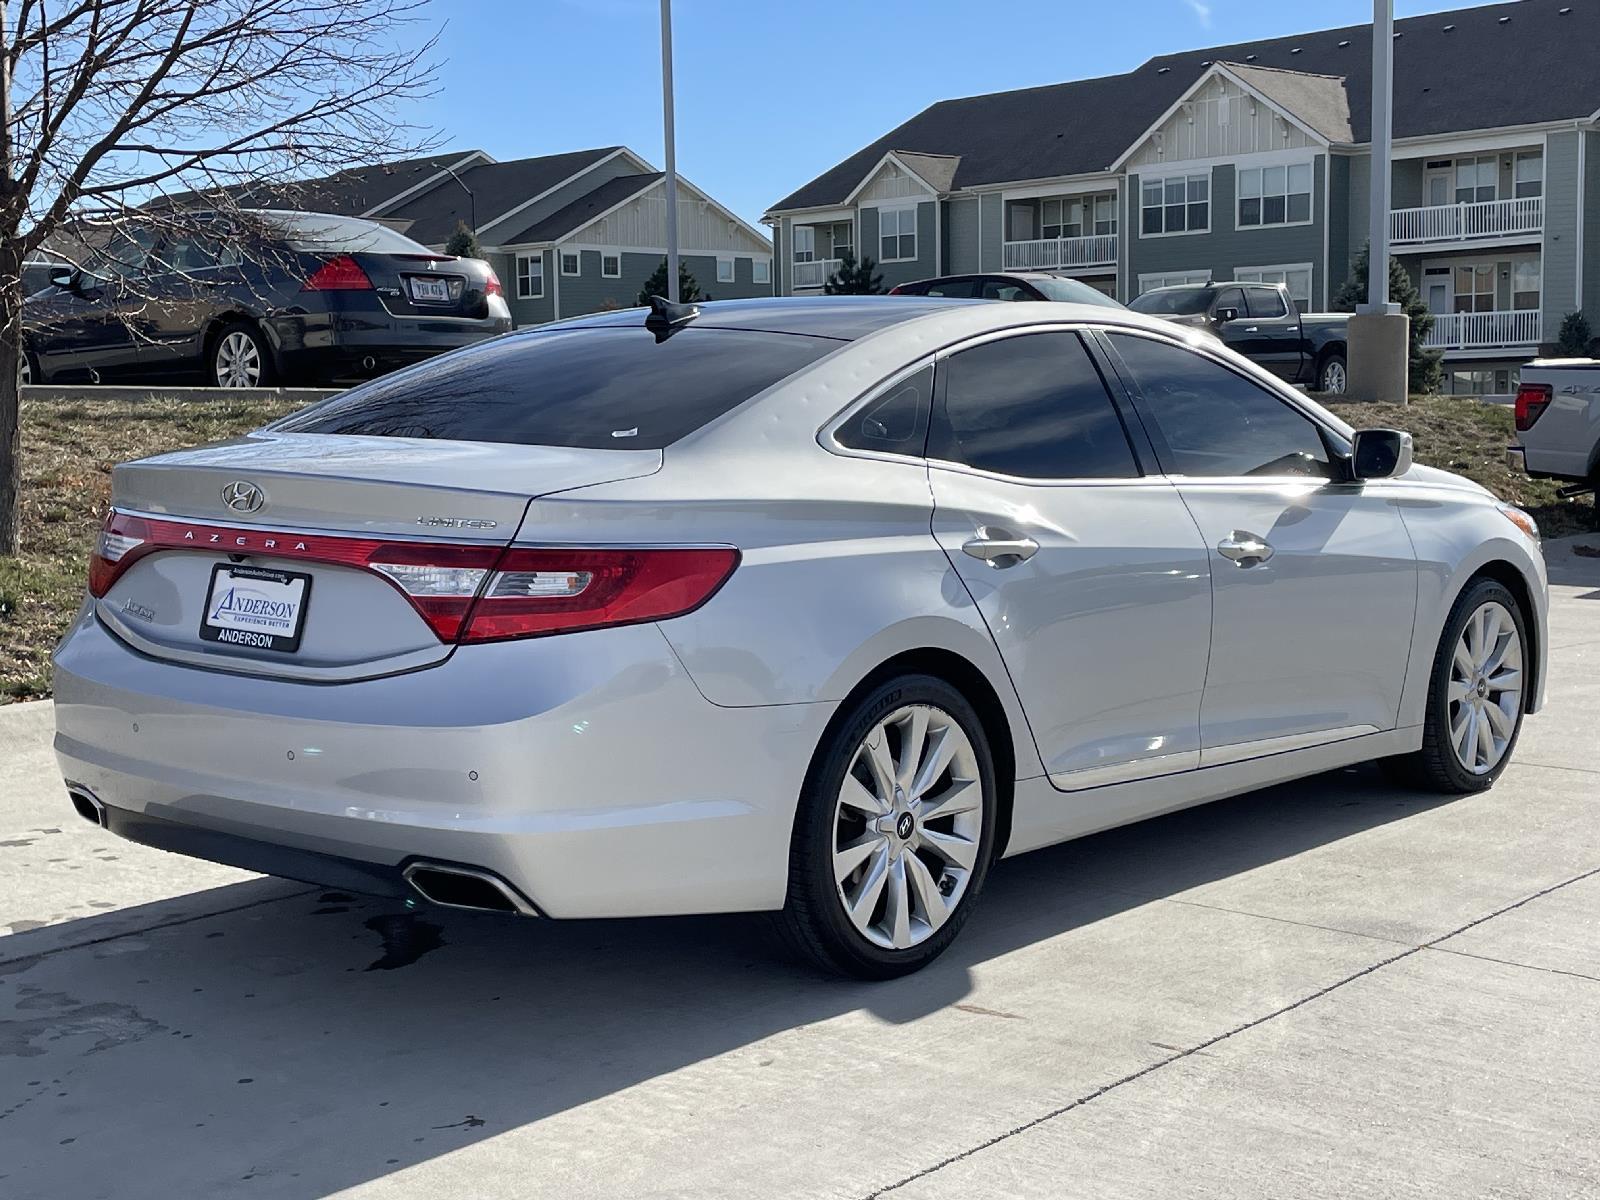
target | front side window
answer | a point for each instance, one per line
(1213, 423)
(1296, 280)
(897, 234)
(1275, 195)
(610, 388)
(1032, 406)
(805, 243)
(1176, 204)
(530, 276)
(894, 422)
(1265, 302)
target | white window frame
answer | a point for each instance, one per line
(1161, 181)
(1279, 273)
(900, 234)
(577, 262)
(726, 260)
(810, 250)
(1260, 196)
(1517, 159)
(1161, 279)
(615, 256)
(526, 278)
(849, 242)
(761, 270)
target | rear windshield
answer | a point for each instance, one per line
(609, 388)
(321, 233)
(1073, 292)
(1172, 301)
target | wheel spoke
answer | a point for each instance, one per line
(1485, 741)
(913, 740)
(1508, 680)
(854, 795)
(962, 796)
(1465, 668)
(1458, 690)
(866, 898)
(930, 898)
(953, 848)
(881, 763)
(1491, 634)
(935, 761)
(1498, 720)
(1463, 732)
(857, 852)
(897, 905)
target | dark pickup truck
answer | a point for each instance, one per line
(1261, 322)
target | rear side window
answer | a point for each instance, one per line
(1212, 422)
(953, 289)
(1032, 406)
(893, 422)
(613, 388)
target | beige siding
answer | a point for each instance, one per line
(891, 183)
(1223, 121)
(643, 222)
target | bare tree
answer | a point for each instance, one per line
(118, 113)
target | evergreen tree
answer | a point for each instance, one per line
(854, 279)
(463, 243)
(688, 290)
(1576, 337)
(1426, 374)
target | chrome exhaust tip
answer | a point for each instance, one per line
(86, 804)
(368, 363)
(466, 887)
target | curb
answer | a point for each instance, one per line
(26, 726)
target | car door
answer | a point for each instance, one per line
(1276, 335)
(1313, 577)
(88, 332)
(1090, 574)
(185, 287)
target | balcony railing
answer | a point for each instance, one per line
(814, 273)
(1467, 222)
(1483, 330)
(1095, 250)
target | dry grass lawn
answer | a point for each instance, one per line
(68, 451)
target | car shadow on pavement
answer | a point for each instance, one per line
(324, 1040)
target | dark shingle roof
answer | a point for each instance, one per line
(347, 193)
(1083, 126)
(582, 210)
(497, 189)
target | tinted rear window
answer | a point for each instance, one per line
(609, 388)
(320, 233)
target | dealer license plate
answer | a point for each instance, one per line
(255, 607)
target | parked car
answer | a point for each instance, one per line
(1262, 322)
(812, 605)
(278, 297)
(1008, 285)
(1558, 423)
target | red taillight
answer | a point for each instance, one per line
(493, 288)
(466, 592)
(341, 274)
(1532, 400)
(896, 290)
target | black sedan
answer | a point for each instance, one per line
(255, 299)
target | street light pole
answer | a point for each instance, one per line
(1382, 125)
(672, 152)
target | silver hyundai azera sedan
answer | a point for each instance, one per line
(814, 606)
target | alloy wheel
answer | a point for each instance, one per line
(1485, 692)
(908, 827)
(238, 360)
(1333, 378)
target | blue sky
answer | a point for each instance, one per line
(771, 94)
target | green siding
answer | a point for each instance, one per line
(1560, 229)
(526, 312)
(1591, 229)
(1405, 183)
(991, 227)
(1350, 178)
(921, 267)
(589, 291)
(961, 236)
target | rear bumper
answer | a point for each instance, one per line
(336, 344)
(584, 770)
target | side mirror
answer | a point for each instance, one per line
(1380, 453)
(1223, 315)
(64, 277)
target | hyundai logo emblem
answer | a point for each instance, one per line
(243, 497)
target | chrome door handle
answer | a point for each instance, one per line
(999, 548)
(1244, 549)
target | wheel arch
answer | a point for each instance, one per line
(1506, 573)
(236, 316)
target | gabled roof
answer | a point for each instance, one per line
(583, 210)
(938, 171)
(497, 188)
(1082, 127)
(350, 192)
(1320, 102)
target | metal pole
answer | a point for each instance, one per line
(672, 153)
(1382, 108)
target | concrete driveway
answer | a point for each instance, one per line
(1332, 989)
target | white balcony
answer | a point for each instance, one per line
(814, 274)
(1479, 221)
(1097, 250)
(1485, 330)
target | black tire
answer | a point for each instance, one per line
(813, 920)
(222, 343)
(1436, 766)
(1333, 366)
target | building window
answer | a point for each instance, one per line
(897, 234)
(1275, 195)
(1149, 283)
(611, 265)
(805, 243)
(1474, 288)
(1178, 204)
(571, 263)
(724, 270)
(1296, 278)
(844, 240)
(1105, 215)
(761, 270)
(1525, 280)
(530, 276)
(1529, 177)
(1021, 222)
(1475, 178)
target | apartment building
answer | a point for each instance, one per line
(1252, 162)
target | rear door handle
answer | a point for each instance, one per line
(999, 548)
(1244, 549)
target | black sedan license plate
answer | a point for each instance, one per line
(255, 607)
(430, 291)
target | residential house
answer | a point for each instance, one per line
(568, 234)
(1252, 162)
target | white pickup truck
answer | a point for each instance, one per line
(1558, 423)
